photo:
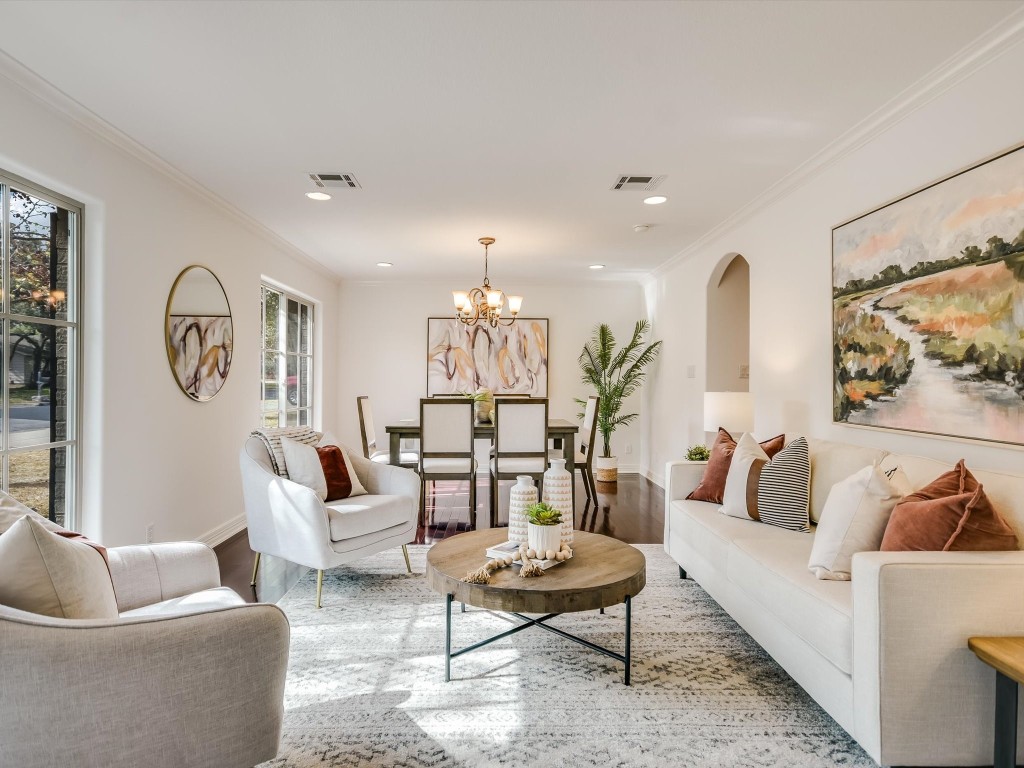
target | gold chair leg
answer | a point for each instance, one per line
(319, 586)
(255, 568)
(408, 565)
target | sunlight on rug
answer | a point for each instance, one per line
(366, 683)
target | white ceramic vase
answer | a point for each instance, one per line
(558, 494)
(543, 538)
(524, 494)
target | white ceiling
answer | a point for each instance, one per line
(509, 119)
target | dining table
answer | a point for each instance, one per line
(563, 432)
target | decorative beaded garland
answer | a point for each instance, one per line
(558, 494)
(524, 554)
(524, 494)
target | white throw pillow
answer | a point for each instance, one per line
(304, 467)
(44, 573)
(745, 455)
(854, 519)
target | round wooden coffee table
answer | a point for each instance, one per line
(603, 572)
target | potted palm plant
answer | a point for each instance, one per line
(614, 375)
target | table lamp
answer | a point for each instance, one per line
(733, 411)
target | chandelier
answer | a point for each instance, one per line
(484, 304)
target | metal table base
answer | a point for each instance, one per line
(449, 654)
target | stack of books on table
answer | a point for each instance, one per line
(506, 548)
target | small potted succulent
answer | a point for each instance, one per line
(543, 528)
(698, 453)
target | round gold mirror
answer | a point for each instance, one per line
(198, 333)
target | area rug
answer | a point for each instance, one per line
(366, 683)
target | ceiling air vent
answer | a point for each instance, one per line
(637, 183)
(335, 180)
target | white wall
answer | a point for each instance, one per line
(151, 455)
(382, 340)
(788, 246)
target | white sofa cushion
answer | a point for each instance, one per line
(854, 520)
(197, 602)
(832, 462)
(367, 514)
(774, 574)
(710, 533)
(44, 573)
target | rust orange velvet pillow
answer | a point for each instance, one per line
(960, 522)
(712, 485)
(958, 480)
(339, 482)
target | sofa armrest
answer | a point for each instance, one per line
(199, 690)
(681, 477)
(919, 693)
(143, 575)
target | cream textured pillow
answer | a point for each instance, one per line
(43, 573)
(854, 519)
(306, 468)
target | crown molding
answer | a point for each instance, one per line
(979, 53)
(49, 95)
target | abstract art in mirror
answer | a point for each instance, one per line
(928, 308)
(506, 360)
(198, 333)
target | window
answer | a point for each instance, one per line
(40, 338)
(287, 384)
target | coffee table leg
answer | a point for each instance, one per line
(629, 628)
(448, 639)
(1005, 753)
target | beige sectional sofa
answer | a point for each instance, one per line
(886, 653)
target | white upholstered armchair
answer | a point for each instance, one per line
(290, 521)
(187, 675)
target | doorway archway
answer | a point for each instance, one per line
(728, 326)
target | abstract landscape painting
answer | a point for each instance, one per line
(200, 350)
(507, 359)
(928, 308)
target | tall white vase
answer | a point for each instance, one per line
(558, 494)
(524, 494)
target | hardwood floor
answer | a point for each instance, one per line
(632, 510)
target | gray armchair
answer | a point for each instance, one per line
(188, 675)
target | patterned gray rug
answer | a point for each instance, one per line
(366, 683)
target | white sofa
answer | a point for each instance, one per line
(886, 653)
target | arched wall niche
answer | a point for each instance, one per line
(728, 326)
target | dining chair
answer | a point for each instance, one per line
(584, 459)
(446, 447)
(520, 443)
(408, 459)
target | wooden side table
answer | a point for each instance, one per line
(1006, 656)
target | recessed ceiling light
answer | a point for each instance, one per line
(318, 196)
(597, 266)
(655, 199)
(385, 264)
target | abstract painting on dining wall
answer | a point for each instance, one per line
(200, 350)
(507, 360)
(928, 308)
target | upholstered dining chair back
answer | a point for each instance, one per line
(589, 425)
(521, 429)
(446, 429)
(366, 430)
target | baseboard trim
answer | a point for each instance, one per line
(223, 532)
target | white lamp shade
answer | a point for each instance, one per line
(515, 303)
(460, 298)
(733, 411)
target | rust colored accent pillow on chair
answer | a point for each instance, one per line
(961, 519)
(339, 482)
(712, 485)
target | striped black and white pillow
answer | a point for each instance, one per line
(271, 437)
(776, 491)
(784, 488)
